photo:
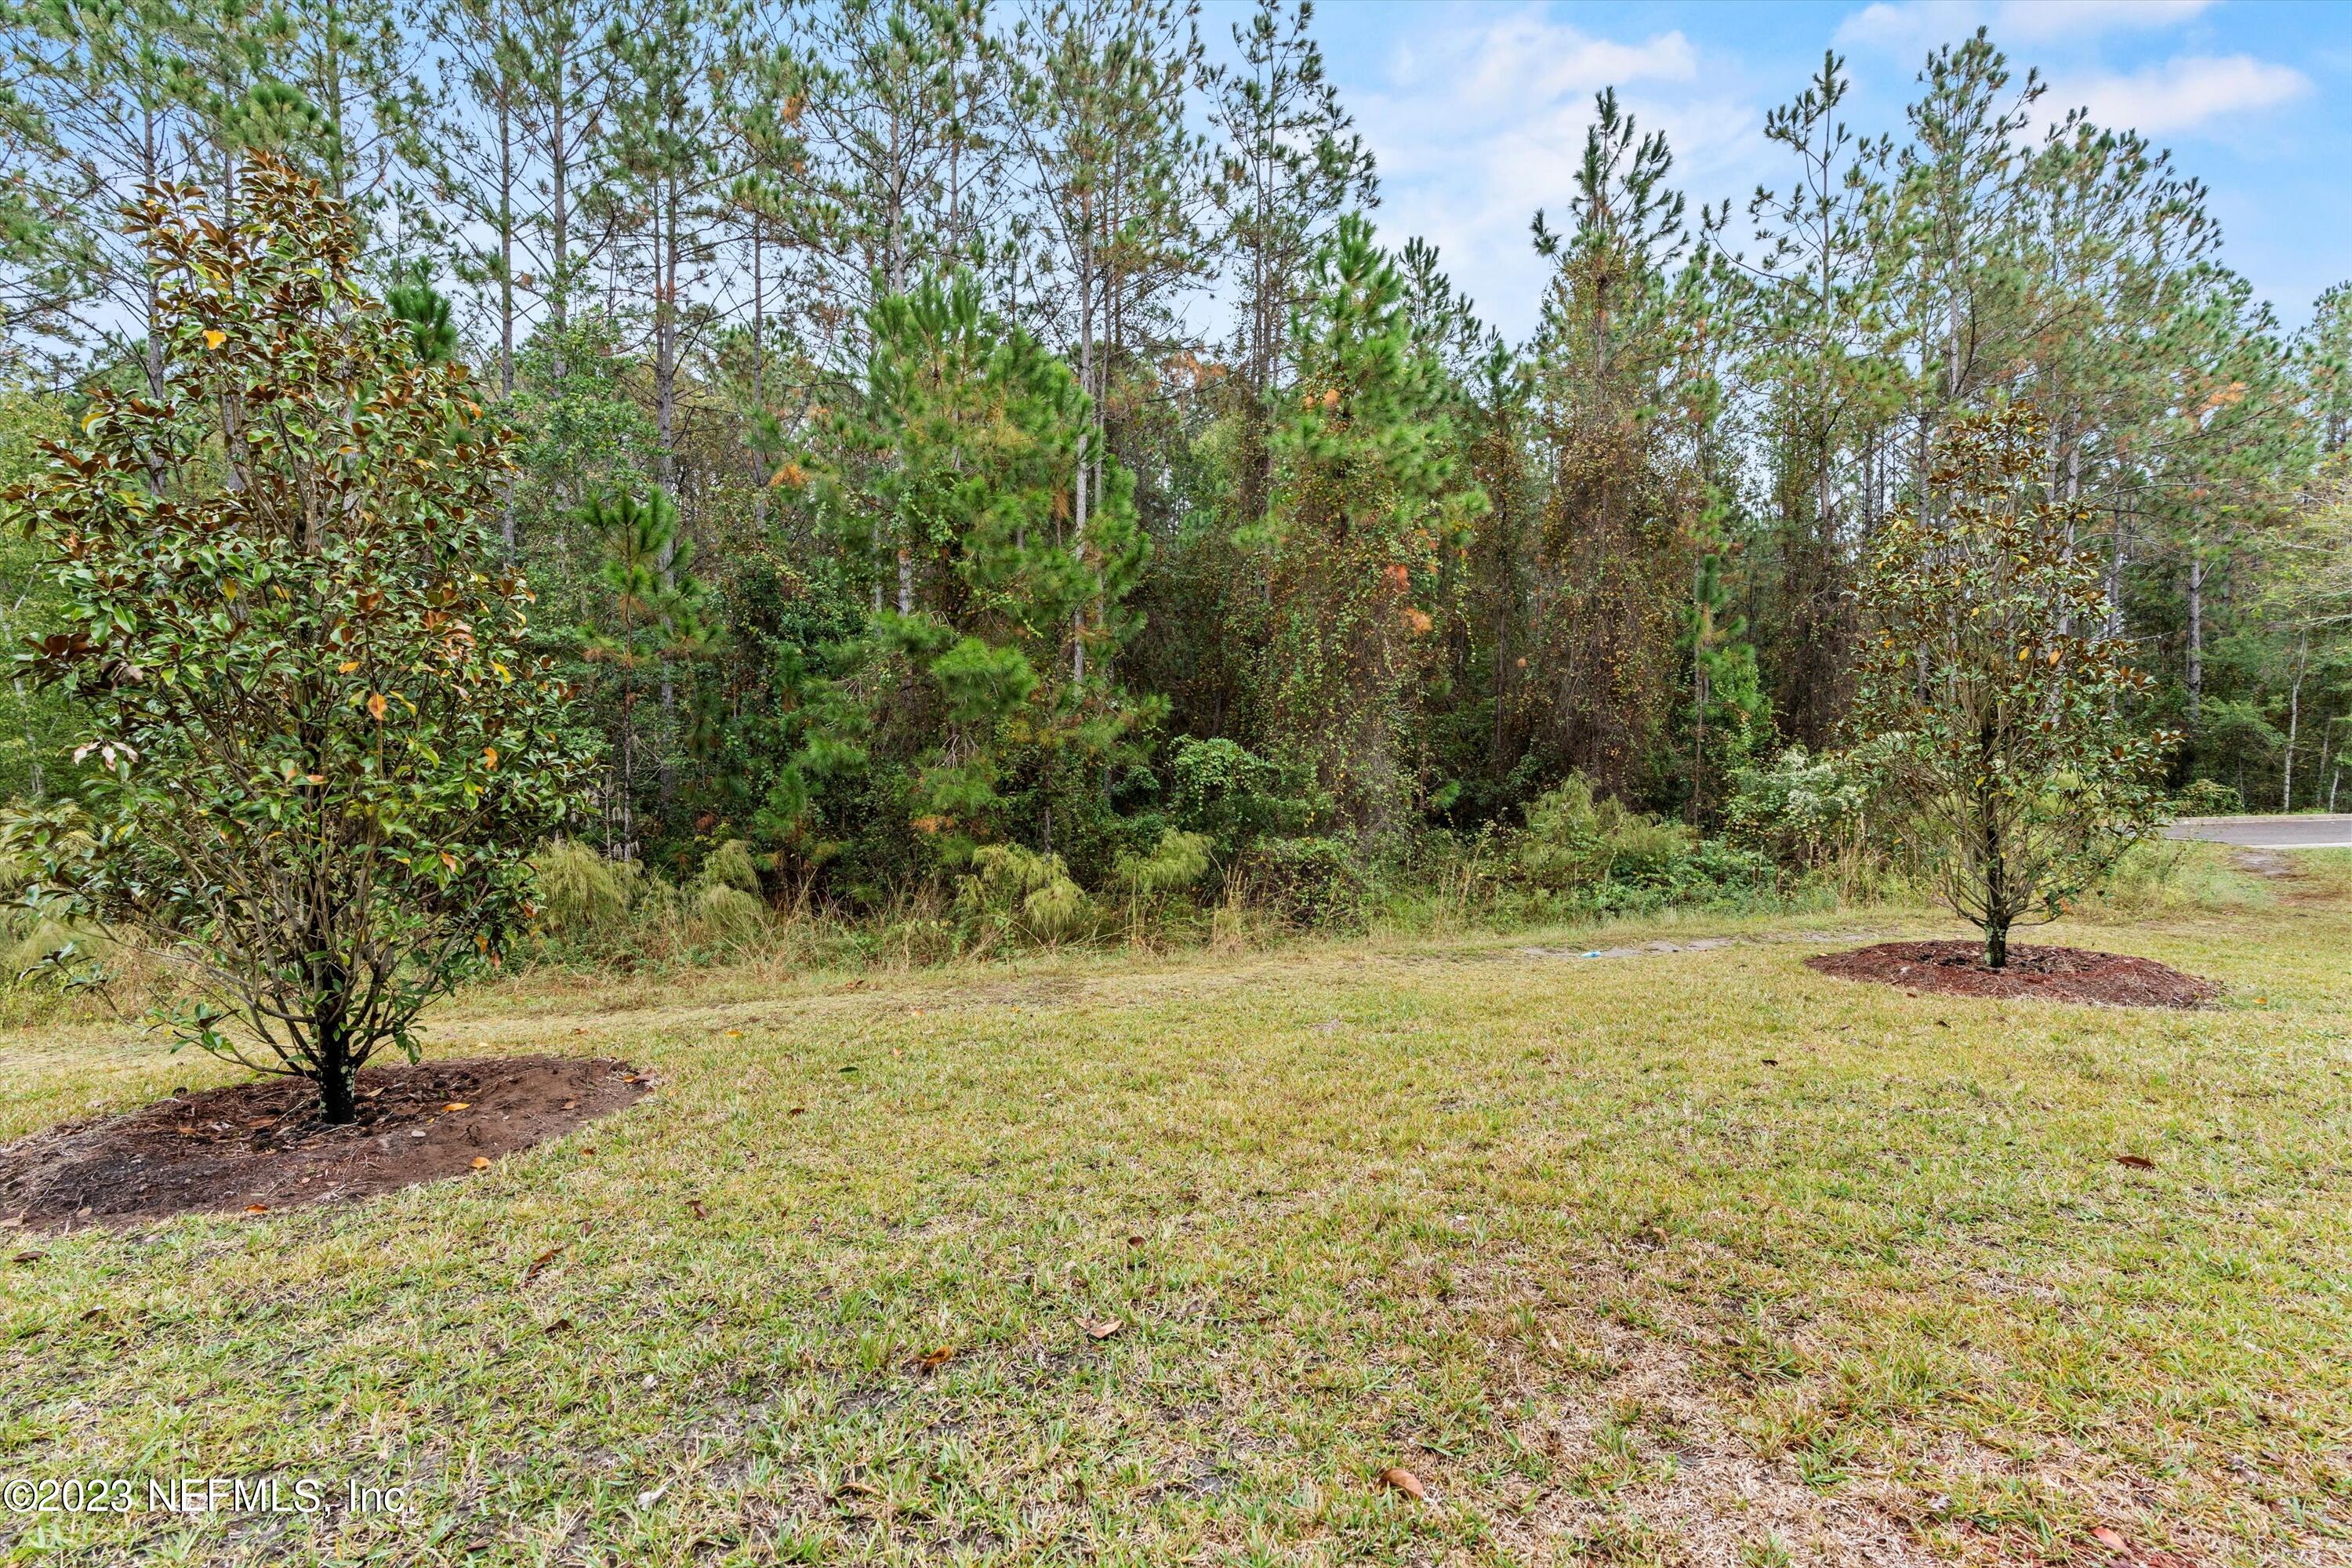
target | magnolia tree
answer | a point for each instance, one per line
(321, 751)
(1994, 703)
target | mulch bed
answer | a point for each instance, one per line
(2057, 974)
(259, 1147)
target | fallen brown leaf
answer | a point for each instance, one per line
(1105, 1329)
(696, 1205)
(256, 1208)
(481, 1162)
(28, 1258)
(2109, 1538)
(458, 1105)
(938, 1358)
(1403, 1481)
(2136, 1162)
(542, 1261)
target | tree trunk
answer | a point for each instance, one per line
(2294, 721)
(1997, 945)
(338, 1080)
(2196, 626)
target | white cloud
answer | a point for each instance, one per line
(1479, 126)
(2185, 93)
(1913, 25)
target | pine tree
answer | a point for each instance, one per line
(956, 697)
(1625, 402)
(652, 617)
(1366, 502)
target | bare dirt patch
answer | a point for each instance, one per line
(1651, 1466)
(2055, 973)
(259, 1147)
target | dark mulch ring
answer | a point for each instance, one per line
(2058, 974)
(259, 1147)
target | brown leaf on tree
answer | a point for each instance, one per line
(1399, 1478)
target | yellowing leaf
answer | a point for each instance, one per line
(376, 707)
(348, 666)
(458, 1105)
(491, 755)
(214, 339)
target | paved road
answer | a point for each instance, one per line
(2268, 832)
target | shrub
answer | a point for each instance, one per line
(1236, 798)
(1177, 861)
(2207, 797)
(321, 746)
(726, 913)
(1804, 811)
(580, 890)
(731, 866)
(1575, 840)
(1995, 699)
(1010, 888)
(1311, 881)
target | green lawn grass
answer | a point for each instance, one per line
(1694, 1258)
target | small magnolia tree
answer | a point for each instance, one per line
(322, 751)
(1993, 702)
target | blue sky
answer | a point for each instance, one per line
(1478, 111)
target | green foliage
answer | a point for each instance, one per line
(321, 751)
(949, 483)
(426, 309)
(1308, 881)
(1995, 703)
(1010, 888)
(652, 622)
(731, 866)
(1366, 508)
(1575, 840)
(1801, 809)
(1177, 861)
(33, 733)
(2207, 797)
(579, 891)
(1235, 797)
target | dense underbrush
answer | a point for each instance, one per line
(1795, 837)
